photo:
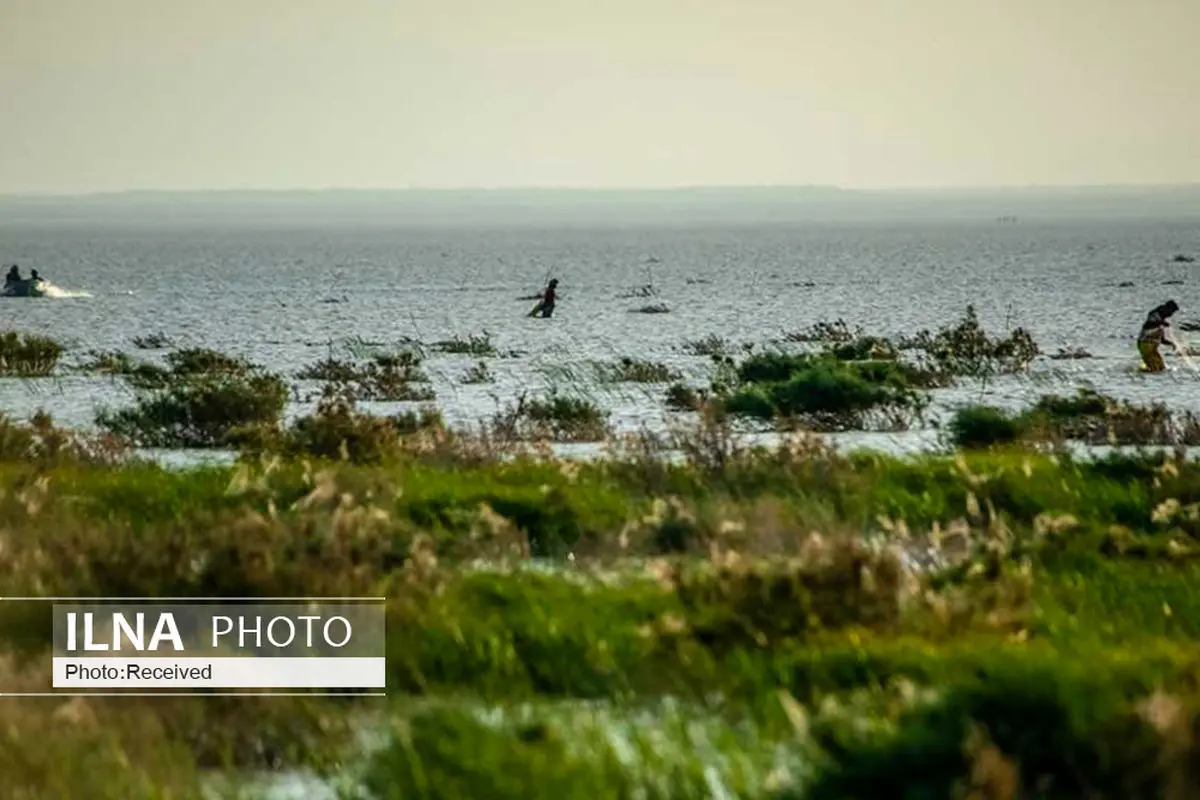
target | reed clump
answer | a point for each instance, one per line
(1087, 417)
(28, 355)
(474, 345)
(394, 377)
(197, 401)
(631, 370)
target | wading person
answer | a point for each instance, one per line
(545, 306)
(1154, 334)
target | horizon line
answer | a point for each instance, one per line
(580, 189)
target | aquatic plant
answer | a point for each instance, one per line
(28, 355)
(337, 430)
(681, 397)
(383, 377)
(108, 362)
(864, 348)
(976, 427)
(477, 345)
(965, 348)
(200, 412)
(825, 393)
(1087, 417)
(557, 417)
(478, 373)
(710, 346)
(203, 361)
(153, 341)
(631, 370)
(823, 332)
(1070, 354)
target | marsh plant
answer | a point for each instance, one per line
(478, 373)
(824, 393)
(108, 362)
(153, 341)
(338, 430)
(681, 397)
(475, 345)
(556, 417)
(710, 346)
(1085, 417)
(392, 377)
(823, 332)
(28, 355)
(965, 348)
(198, 412)
(631, 370)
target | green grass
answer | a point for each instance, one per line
(630, 626)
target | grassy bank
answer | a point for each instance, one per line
(786, 623)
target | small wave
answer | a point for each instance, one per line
(50, 290)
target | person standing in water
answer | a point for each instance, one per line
(546, 306)
(1154, 333)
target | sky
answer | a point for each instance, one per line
(114, 95)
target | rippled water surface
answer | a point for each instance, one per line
(282, 297)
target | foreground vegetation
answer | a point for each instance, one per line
(794, 622)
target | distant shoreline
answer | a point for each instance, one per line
(549, 206)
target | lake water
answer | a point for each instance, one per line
(283, 297)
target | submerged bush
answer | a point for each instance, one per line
(558, 417)
(976, 427)
(1086, 417)
(338, 430)
(965, 348)
(478, 345)
(681, 397)
(479, 373)
(825, 332)
(200, 412)
(28, 355)
(153, 341)
(823, 392)
(629, 370)
(394, 377)
(709, 346)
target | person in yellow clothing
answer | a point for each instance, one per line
(1154, 334)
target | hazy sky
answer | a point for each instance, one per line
(100, 95)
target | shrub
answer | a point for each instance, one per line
(977, 427)
(479, 373)
(629, 370)
(153, 341)
(383, 377)
(337, 430)
(558, 418)
(823, 392)
(478, 345)
(966, 349)
(28, 355)
(41, 442)
(200, 412)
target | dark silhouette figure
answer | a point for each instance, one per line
(545, 306)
